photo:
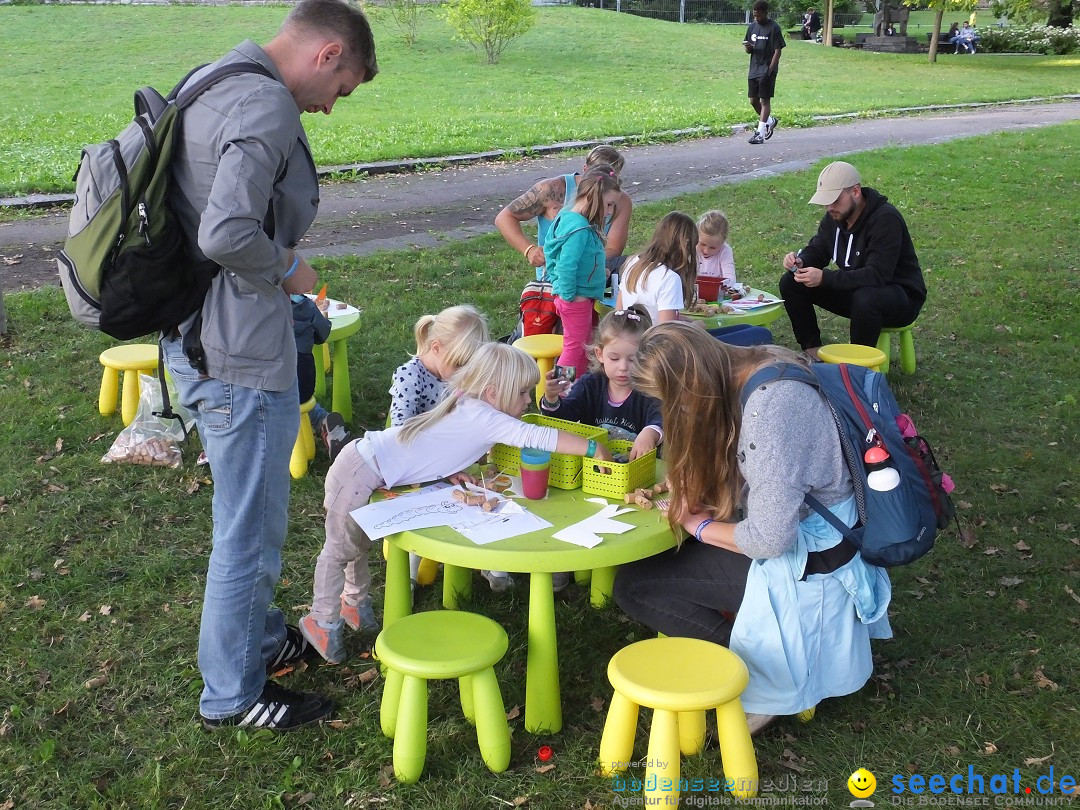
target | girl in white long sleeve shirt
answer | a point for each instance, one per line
(482, 406)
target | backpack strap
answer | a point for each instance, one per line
(780, 371)
(187, 95)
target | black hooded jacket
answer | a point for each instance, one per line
(875, 252)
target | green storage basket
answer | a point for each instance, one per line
(621, 478)
(565, 471)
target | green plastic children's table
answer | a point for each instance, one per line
(760, 316)
(341, 328)
(539, 555)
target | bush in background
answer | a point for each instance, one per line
(490, 25)
(1032, 39)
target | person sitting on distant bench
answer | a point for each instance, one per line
(951, 36)
(966, 39)
(811, 23)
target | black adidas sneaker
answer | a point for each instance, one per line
(277, 709)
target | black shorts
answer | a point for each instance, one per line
(765, 87)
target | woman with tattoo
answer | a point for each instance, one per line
(548, 197)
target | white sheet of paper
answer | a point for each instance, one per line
(436, 507)
(587, 532)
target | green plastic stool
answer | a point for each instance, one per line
(907, 347)
(438, 645)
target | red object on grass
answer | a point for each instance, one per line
(545, 753)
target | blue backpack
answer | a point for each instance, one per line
(898, 525)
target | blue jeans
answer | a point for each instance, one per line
(248, 435)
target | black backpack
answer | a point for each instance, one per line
(125, 267)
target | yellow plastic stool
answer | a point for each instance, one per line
(680, 679)
(132, 359)
(304, 449)
(437, 645)
(545, 350)
(907, 347)
(853, 355)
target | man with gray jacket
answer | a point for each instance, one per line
(245, 191)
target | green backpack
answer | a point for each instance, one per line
(125, 266)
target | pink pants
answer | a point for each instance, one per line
(577, 324)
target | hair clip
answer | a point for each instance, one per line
(628, 313)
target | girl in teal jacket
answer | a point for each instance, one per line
(574, 251)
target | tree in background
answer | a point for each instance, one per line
(490, 25)
(1057, 13)
(406, 16)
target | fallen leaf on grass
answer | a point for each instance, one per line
(1021, 604)
(97, 681)
(514, 713)
(386, 776)
(520, 800)
(1038, 760)
(11, 260)
(105, 610)
(368, 675)
(85, 617)
(990, 552)
(982, 679)
(1008, 582)
(989, 748)
(545, 768)
(1021, 546)
(35, 602)
(792, 761)
(597, 704)
(952, 751)
(1042, 681)
(967, 537)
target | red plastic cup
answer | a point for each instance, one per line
(535, 465)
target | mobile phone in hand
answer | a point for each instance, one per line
(565, 373)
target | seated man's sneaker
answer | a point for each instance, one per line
(559, 581)
(334, 434)
(277, 709)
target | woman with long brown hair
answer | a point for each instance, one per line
(806, 604)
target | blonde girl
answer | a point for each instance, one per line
(574, 252)
(714, 256)
(661, 278)
(444, 343)
(605, 396)
(483, 405)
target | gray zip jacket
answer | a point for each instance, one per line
(242, 148)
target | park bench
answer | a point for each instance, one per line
(943, 45)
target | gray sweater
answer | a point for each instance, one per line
(788, 446)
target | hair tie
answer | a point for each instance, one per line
(459, 393)
(630, 314)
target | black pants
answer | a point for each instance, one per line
(685, 592)
(305, 375)
(869, 308)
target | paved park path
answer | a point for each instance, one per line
(393, 211)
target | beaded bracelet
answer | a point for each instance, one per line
(591, 451)
(702, 525)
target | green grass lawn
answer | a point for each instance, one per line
(103, 566)
(580, 73)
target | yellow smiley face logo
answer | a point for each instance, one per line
(861, 783)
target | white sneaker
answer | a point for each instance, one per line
(559, 581)
(498, 581)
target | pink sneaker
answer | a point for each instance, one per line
(359, 617)
(327, 641)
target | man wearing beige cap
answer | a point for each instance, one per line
(878, 282)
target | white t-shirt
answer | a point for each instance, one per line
(453, 443)
(720, 265)
(660, 290)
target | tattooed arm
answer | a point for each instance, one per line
(543, 199)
